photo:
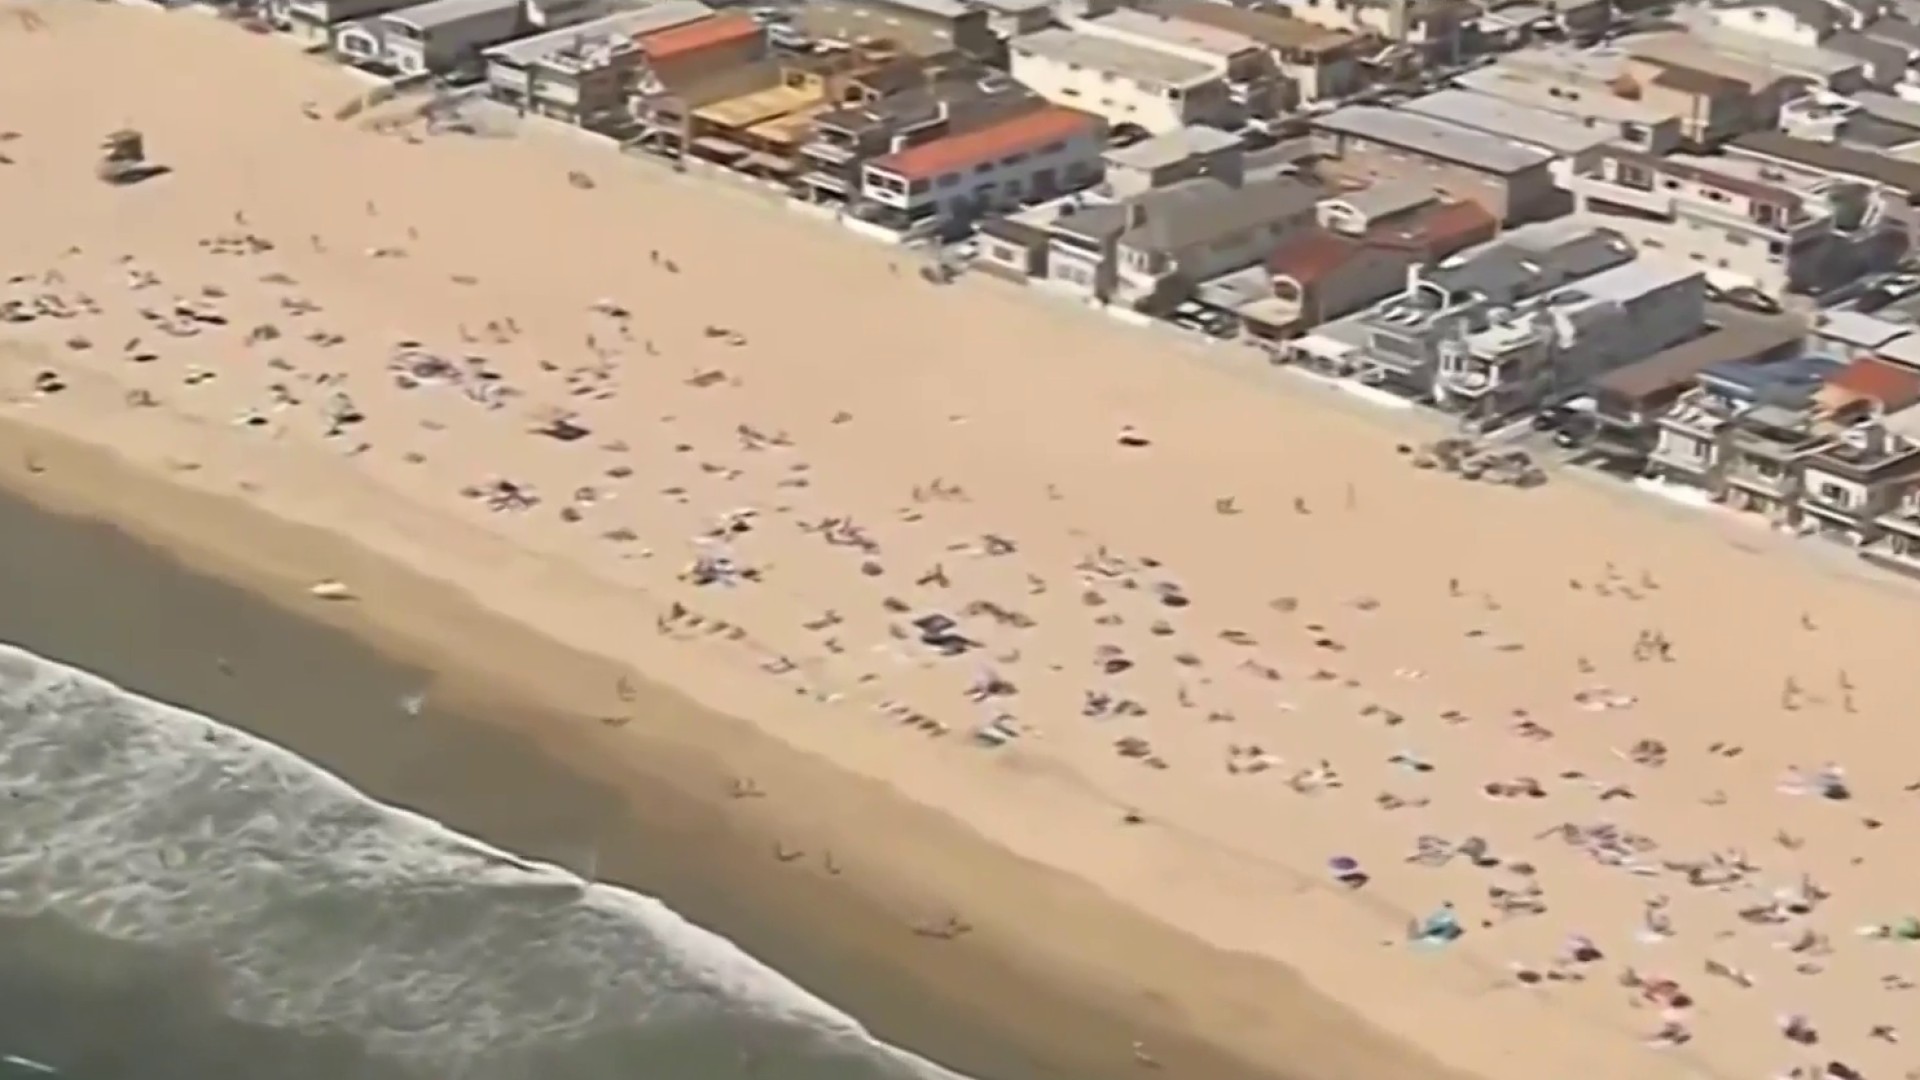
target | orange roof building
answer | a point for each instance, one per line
(678, 43)
(1021, 134)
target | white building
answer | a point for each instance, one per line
(576, 72)
(1793, 22)
(1125, 83)
(1744, 222)
(441, 35)
(1030, 157)
(1252, 77)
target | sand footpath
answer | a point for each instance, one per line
(1539, 781)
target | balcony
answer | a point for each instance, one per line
(828, 152)
(1761, 477)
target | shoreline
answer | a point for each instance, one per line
(1398, 653)
(673, 788)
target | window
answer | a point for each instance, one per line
(983, 167)
(1837, 495)
(1054, 147)
(949, 180)
(1011, 160)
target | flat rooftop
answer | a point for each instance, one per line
(1549, 131)
(1627, 282)
(435, 13)
(1018, 134)
(1171, 30)
(1136, 62)
(1519, 82)
(1436, 139)
(619, 28)
(1172, 147)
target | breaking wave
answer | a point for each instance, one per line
(309, 907)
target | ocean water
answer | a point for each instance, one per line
(181, 899)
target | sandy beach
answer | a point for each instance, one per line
(1264, 694)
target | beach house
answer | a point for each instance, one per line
(1360, 252)
(948, 182)
(582, 74)
(1742, 432)
(1870, 461)
(843, 140)
(1550, 346)
(443, 36)
(1629, 400)
(1398, 343)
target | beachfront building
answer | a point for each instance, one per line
(1629, 401)
(1741, 433)
(1154, 248)
(1316, 63)
(1200, 229)
(685, 67)
(946, 183)
(842, 141)
(1360, 253)
(1367, 144)
(1870, 460)
(1547, 348)
(1768, 227)
(315, 22)
(1398, 343)
(583, 74)
(443, 36)
(1123, 82)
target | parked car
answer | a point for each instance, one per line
(1746, 298)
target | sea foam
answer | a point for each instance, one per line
(318, 908)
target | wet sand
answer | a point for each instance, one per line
(988, 586)
(84, 592)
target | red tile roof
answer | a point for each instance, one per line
(1438, 230)
(1894, 387)
(1025, 132)
(1435, 232)
(1312, 254)
(728, 28)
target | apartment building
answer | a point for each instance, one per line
(1742, 222)
(946, 182)
(1398, 343)
(1513, 181)
(1123, 82)
(1253, 80)
(1317, 63)
(582, 74)
(1550, 346)
(1588, 89)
